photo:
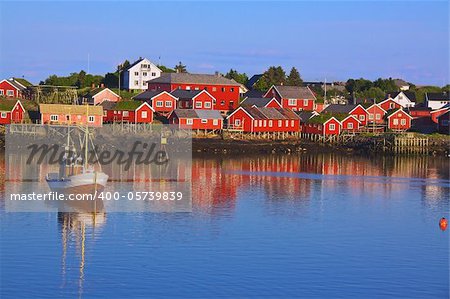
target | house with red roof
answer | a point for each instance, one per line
(196, 119)
(398, 120)
(263, 119)
(11, 111)
(296, 98)
(225, 91)
(194, 99)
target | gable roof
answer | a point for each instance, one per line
(253, 80)
(293, 92)
(169, 78)
(392, 112)
(410, 95)
(321, 119)
(254, 94)
(147, 95)
(94, 92)
(184, 113)
(271, 113)
(108, 105)
(258, 102)
(25, 83)
(71, 109)
(338, 108)
(305, 115)
(13, 84)
(8, 105)
(185, 94)
(437, 96)
(208, 114)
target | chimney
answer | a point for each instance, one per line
(102, 85)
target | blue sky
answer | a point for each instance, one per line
(335, 40)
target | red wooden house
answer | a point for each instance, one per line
(11, 88)
(443, 123)
(261, 102)
(389, 104)
(398, 120)
(375, 114)
(194, 99)
(161, 101)
(350, 124)
(225, 91)
(296, 98)
(357, 111)
(323, 124)
(264, 119)
(128, 111)
(11, 111)
(196, 119)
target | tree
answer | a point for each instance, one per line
(294, 78)
(180, 68)
(165, 69)
(372, 93)
(111, 80)
(275, 75)
(386, 85)
(238, 77)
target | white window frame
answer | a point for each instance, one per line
(350, 126)
(270, 123)
(403, 122)
(395, 121)
(237, 122)
(4, 114)
(169, 104)
(91, 118)
(287, 123)
(10, 93)
(159, 103)
(260, 123)
(198, 104)
(144, 114)
(189, 121)
(207, 104)
(2, 92)
(188, 87)
(292, 102)
(204, 121)
(255, 123)
(378, 116)
(125, 113)
(292, 123)
(54, 117)
(370, 116)
(362, 117)
(215, 122)
(305, 102)
(332, 127)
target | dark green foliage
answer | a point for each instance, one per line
(238, 77)
(180, 68)
(165, 69)
(294, 78)
(275, 75)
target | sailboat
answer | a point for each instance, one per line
(75, 175)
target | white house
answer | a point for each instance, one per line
(404, 98)
(135, 77)
(436, 100)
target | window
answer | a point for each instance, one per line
(144, 74)
(223, 89)
(125, 113)
(292, 102)
(208, 105)
(332, 127)
(214, 101)
(2, 92)
(237, 122)
(10, 93)
(222, 103)
(136, 82)
(287, 123)
(292, 123)
(265, 123)
(391, 105)
(105, 113)
(280, 123)
(378, 116)
(395, 122)
(189, 121)
(215, 122)
(136, 73)
(350, 126)
(54, 117)
(362, 117)
(153, 74)
(270, 123)
(3, 114)
(305, 102)
(370, 116)
(403, 122)
(91, 119)
(144, 83)
(260, 123)
(168, 103)
(231, 103)
(144, 114)
(159, 103)
(214, 89)
(197, 88)
(255, 122)
(198, 105)
(232, 89)
(188, 88)
(204, 121)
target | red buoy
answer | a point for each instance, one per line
(443, 223)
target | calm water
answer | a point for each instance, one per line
(267, 226)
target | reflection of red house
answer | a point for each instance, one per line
(11, 111)
(196, 119)
(263, 119)
(398, 120)
(296, 98)
(194, 99)
(127, 111)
